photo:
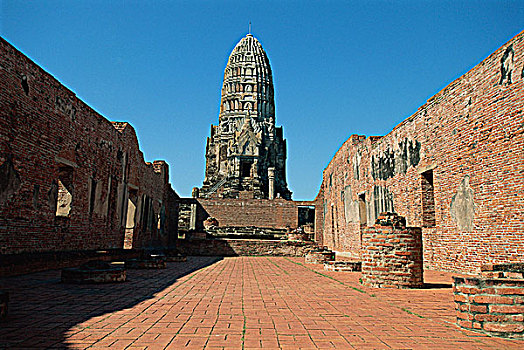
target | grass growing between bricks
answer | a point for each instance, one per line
(411, 312)
(274, 263)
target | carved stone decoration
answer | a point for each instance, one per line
(9, 181)
(507, 66)
(351, 208)
(463, 206)
(52, 196)
(246, 131)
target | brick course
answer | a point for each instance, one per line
(243, 247)
(493, 306)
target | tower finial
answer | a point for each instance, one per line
(249, 32)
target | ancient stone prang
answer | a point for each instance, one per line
(246, 152)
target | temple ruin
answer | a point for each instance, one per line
(443, 191)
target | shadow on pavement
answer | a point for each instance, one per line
(42, 309)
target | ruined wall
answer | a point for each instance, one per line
(454, 168)
(69, 177)
(392, 257)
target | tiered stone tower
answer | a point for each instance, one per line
(246, 153)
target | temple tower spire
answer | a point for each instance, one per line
(246, 144)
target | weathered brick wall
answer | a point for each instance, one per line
(454, 168)
(392, 257)
(54, 149)
(493, 306)
(277, 213)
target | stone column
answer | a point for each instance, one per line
(271, 176)
(392, 254)
(193, 217)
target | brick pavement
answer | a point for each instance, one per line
(233, 303)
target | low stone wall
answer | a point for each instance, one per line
(392, 254)
(347, 266)
(243, 247)
(17, 264)
(94, 272)
(491, 305)
(319, 256)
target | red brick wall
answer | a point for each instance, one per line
(277, 213)
(44, 127)
(471, 137)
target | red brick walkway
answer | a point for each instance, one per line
(246, 302)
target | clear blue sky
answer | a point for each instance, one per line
(339, 67)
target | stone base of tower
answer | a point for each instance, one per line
(278, 214)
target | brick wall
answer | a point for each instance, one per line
(277, 213)
(454, 168)
(69, 177)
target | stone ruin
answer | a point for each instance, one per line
(319, 255)
(392, 254)
(343, 266)
(147, 260)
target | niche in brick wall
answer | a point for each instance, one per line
(65, 192)
(132, 202)
(92, 194)
(428, 199)
(362, 209)
(306, 216)
(245, 167)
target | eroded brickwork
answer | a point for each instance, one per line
(244, 247)
(71, 179)
(454, 168)
(392, 256)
